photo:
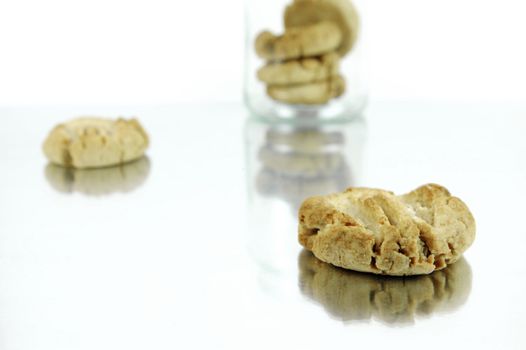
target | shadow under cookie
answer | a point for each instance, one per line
(352, 296)
(97, 182)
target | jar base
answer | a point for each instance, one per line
(334, 110)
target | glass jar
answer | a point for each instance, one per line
(286, 163)
(303, 59)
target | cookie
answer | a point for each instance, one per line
(340, 12)
(297, 42)
(97, 182)
(299, 71)
(375, 231)
(314, 93)
(95, 142)
(348, 295)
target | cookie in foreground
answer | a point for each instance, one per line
(91, 142)
(373, 230)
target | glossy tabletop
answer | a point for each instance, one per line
(194, 246)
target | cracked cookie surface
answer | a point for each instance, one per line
(95, 142)
(375, 231)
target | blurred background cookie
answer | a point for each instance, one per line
(313, 93)
(340, 12)
(304, 70)
(301, 41)
(92, 142)
(303, 64)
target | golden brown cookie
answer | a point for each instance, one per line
(299, 71)
(340, 12)
(95, 142)
(314, 93)
(373, 230)
(300, 41)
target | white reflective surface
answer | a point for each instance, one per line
(195, 246)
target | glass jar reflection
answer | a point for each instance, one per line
(286, 164)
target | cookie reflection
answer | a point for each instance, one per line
(348, 295)
(98, 182)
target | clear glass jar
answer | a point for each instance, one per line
(303, 59)
(286, 163)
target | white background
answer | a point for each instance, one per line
(160, 261)
(165, 51)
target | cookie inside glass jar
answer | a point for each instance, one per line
(302, 63)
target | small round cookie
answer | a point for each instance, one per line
(372, 230)
(95, 142)
(303, 70)
(300, 41)
(340, 12)
(314, 93)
